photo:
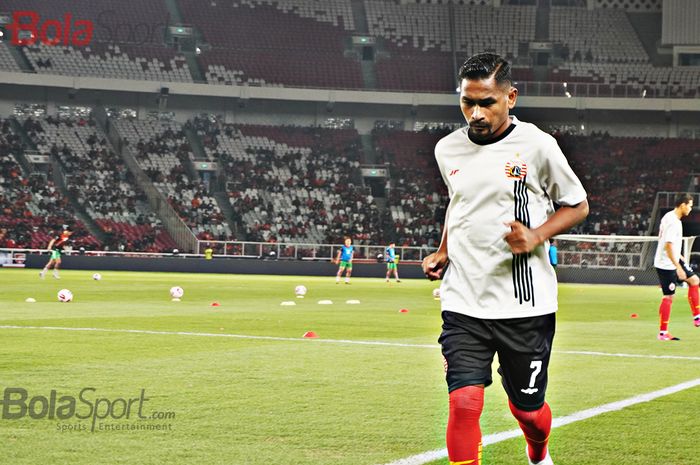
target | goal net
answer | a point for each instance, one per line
(609, 259)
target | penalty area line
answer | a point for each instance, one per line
(438, 454)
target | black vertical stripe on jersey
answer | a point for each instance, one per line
(523, 286)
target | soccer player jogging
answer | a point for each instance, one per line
(671, 267)
(390, 258)
(344, 259)
(54, 249)
(499, 292)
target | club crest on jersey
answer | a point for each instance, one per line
(516, 169)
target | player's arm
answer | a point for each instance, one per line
(668, 248)
(522, 239)
(434, 265)
(337, 258)
(51, 243)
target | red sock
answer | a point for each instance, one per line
(664, 314)
(463, 430)
(536, 426)
(694, 300)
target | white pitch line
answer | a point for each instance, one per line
(438, 454)
(225, 335)
(327, 341)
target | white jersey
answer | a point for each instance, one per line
(670, 230)
(517, 176)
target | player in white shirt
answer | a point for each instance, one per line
(499, 292)
(671, 267)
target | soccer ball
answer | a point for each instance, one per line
(97, 276)
(436, 293)
(631, 278)
(300, 290)
(64, 295)
(176, 292)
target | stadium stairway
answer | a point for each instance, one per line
(542, 21)
(192, 63)
(197, 150)
(59, 180)
(21, 157)
(21, 59)
(368, 149)
(222, 199)
(648, 29)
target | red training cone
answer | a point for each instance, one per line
(215, 304)
(403, 310)
(310, 334)
(634, 315)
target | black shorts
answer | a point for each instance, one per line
(524, 346)
(669, 278)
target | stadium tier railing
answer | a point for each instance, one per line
(307, 251)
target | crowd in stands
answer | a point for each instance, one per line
(294, 184)
(623, 174)
(163, 152)
(416, 196)
(99, 181)
(31, 208)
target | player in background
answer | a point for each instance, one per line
(208, 252)
(390, 258)
(499, 292)
(55, 245)
(671, 266)
(344, 259)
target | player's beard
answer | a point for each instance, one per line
(480, 133)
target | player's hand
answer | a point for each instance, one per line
(681, 273)
(434, 265)
(521, 239)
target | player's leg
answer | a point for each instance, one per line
(524, 349)
(348, 272)
(668, 280)
(339, 273)
(56, 265)
(396, 273)
(388, 271)
(47, 267)
(467, 351)
(693, 295)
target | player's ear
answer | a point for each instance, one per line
(512, 97)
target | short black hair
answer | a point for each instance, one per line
(485, 65)
(683, 199)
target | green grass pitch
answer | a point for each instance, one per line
(255, 401)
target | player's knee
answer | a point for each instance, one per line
(668, 297)
(525, 414)
(694, 280)
(467, 403)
